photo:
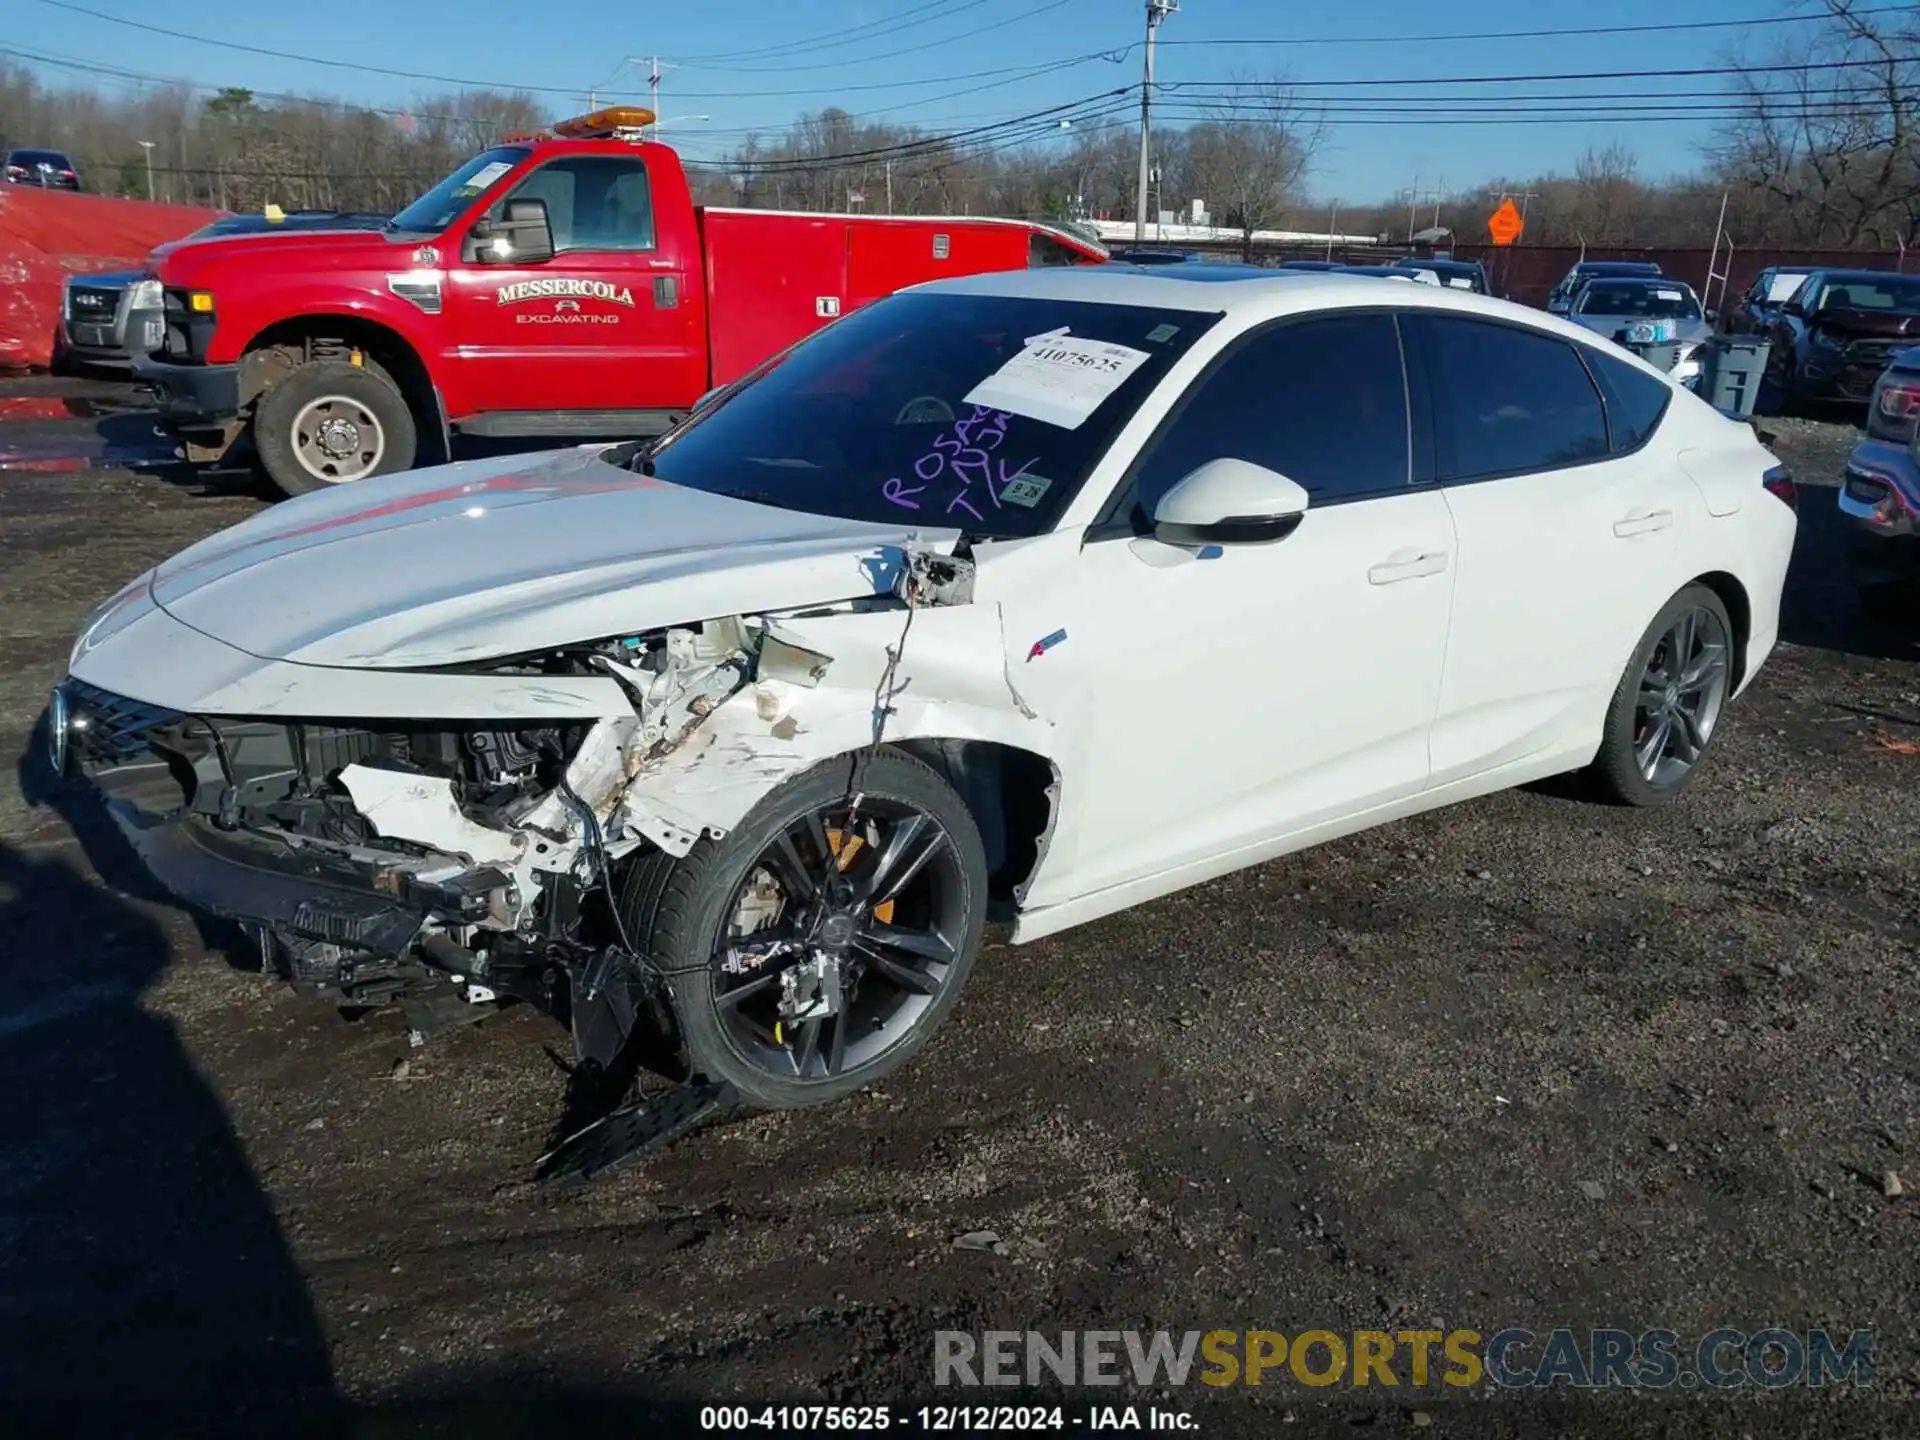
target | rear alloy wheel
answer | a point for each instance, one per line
(816, 948)
(332, 423)
(1668, 706)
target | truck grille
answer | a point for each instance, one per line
(89, 303)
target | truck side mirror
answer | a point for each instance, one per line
(522, 237)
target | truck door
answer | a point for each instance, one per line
(613, 322)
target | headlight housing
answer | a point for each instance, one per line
(146, 294)
(1825, 340)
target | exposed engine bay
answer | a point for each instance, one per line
(449, 866)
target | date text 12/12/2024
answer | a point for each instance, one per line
(941, 1419)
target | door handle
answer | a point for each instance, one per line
(1407, 565)
(1643, 522)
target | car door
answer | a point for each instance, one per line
(612, 322)
(1250, 692)
(1567, 542)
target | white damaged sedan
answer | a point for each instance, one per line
(1032, 595)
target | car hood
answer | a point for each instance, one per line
(472, 562)
(188, 256)
(107, 279)
(1866, 322)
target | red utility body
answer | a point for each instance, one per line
(612, 315)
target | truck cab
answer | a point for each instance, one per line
(561, 285)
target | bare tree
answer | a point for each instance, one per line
(1249, 157)
(1836, 150)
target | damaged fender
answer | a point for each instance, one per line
(951, 682)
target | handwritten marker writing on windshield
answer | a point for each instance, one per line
(1044, 644)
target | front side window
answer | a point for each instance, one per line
(1510, 401)
(1321, 401)
(870, 419)
(594, 202)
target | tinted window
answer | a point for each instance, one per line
(869, 419)
(1324, 402)
(39, 157)
(1510, 400)
(1635, 400)
(594, 202)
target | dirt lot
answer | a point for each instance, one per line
(1527, 1062)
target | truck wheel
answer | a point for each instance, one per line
(331, 423)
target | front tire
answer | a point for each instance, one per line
(1667, 707)
(873, 926)
(331, 423)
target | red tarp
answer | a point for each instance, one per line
(47, 234)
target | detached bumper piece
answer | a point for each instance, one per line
(248, 877)
(637, 1133)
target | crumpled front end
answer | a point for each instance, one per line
(377, 854)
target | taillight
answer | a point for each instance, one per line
(1779, 483)
(1900, 399)
(68, 175)
(16, 171)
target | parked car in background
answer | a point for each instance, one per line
(105, 319)
(1754, 312)
(1880, 492)
(1312, 265)
(1836, 337)
(1420, 275)
(1586, 270)
(1640, 311)
(46, 168)
(1138, 256)
(598, 729)
(1454, 274)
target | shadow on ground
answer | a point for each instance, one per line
(142, 1272)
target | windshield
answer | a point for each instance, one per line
(448, 200)
(1900, 295)
(1653, 302)
(922, 408)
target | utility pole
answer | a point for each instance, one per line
(1157, 11)
(653, 91)
(147, 145)
(1333, 221)
(889, 186)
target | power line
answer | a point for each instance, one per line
(883, 26)
(842, 64)
(1546, 34)
(1696, 72)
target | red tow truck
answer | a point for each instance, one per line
(560, 285)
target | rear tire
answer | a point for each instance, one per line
(1667, 709)
(677, 910)
(331, 423)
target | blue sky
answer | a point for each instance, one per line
(969, 62)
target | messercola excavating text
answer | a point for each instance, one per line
(963, 459)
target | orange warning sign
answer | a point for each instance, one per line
(1505, 224)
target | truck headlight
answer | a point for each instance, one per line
(146, 295)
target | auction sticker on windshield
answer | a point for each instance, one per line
(1058, 379)
(486, 175)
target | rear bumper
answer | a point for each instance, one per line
(191, 396)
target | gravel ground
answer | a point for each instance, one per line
(1526, 1062)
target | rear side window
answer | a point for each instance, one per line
(1323, 402)
(1635, 401)
(1509, 401)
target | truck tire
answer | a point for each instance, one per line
(331, 423)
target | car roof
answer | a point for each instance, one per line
(1250, 293)
(1643, 282)
(1621, 267)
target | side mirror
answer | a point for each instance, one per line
(1793, 307)
(522, 237)
(1229, 502)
